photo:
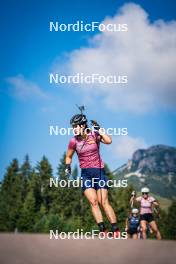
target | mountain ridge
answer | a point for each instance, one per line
(154, 167)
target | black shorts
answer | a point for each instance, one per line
(146, 217)
(94, 178)
(132, 231)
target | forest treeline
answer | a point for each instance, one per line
(29, 204)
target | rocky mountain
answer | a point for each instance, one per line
(154, 167)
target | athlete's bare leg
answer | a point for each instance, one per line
(154, 227)
(104, 202)
(129, 236)
(135, 236)
(143, 224)
(91, 195)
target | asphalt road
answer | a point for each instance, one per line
(40, 249)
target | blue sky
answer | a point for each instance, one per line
(29, 52)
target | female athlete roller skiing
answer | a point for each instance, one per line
(86, 144)
(133, 224)
(146, 217)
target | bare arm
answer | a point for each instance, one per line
(69, 155)
(156, 203)
(105, 138)
(133, 200)
(126, 223)
(156, 208)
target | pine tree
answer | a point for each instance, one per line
(61, 169)
(34, 184)
(67, 199)
(11, 197)
(171, 220)
(44, 172)
(26, 171)
(28, 214)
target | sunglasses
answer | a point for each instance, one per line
(144, 193)
(75, 126)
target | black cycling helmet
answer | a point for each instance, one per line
(78, 119)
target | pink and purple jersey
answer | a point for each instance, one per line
(87, 150)
(146, 204)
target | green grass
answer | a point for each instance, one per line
(164, 202)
